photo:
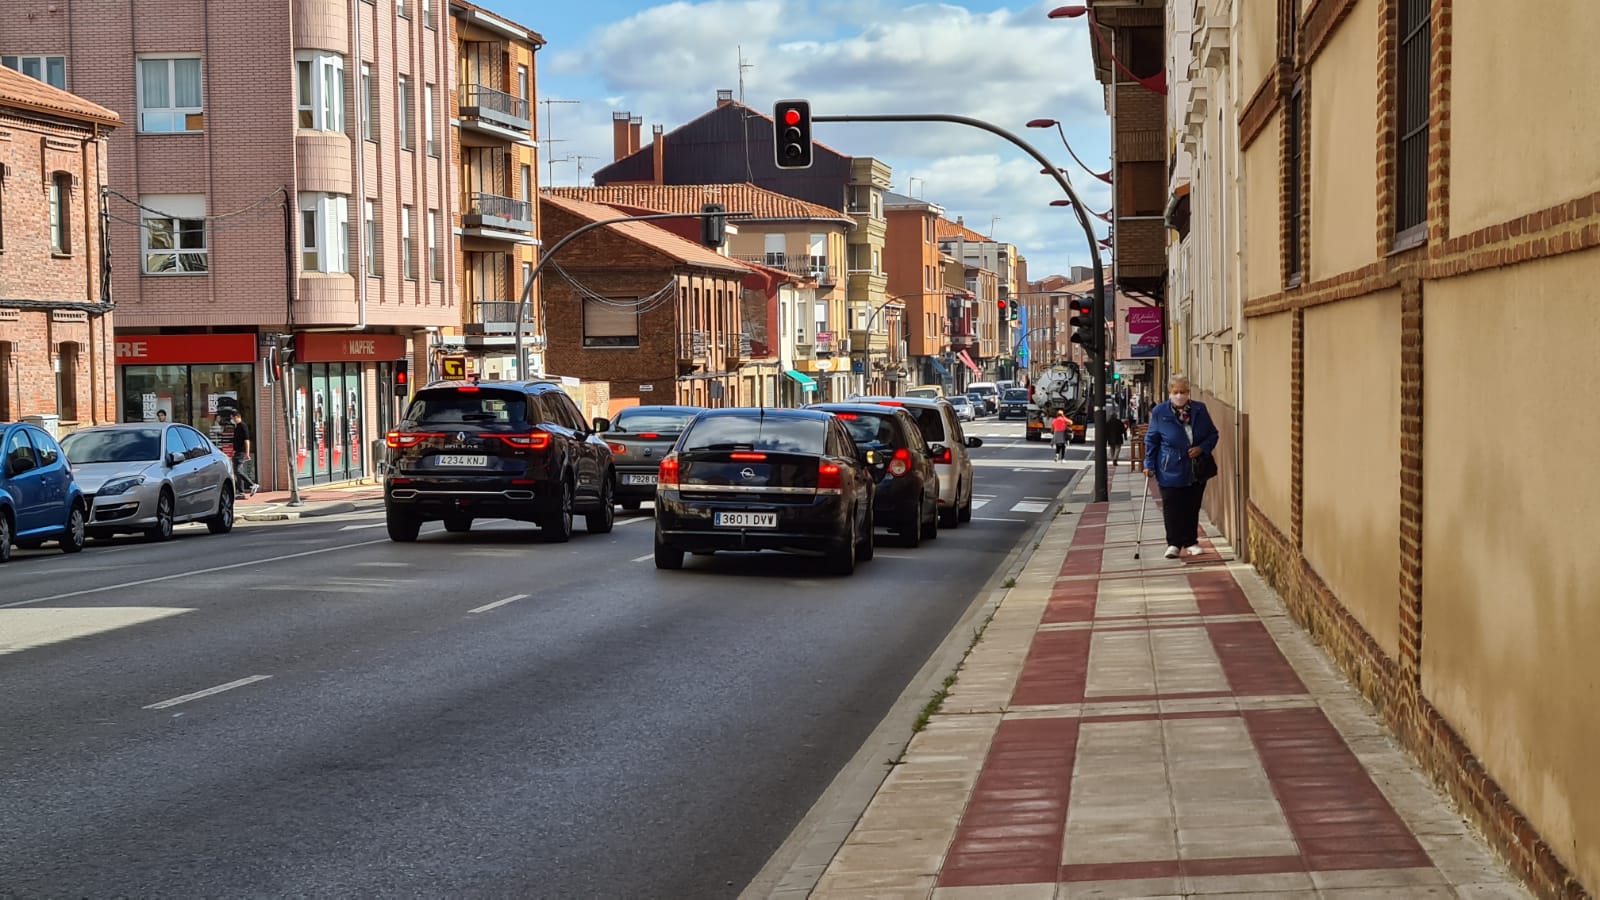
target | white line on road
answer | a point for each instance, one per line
(645, 557)
(363, 527)
(1029, 506)
(633, 521)
(995, 519)
(488, 606)
(208, 692)
(979, 504)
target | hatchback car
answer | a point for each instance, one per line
(504, 449)
(942, 430)
(965, 411)
(145, 478)
(639, 437)
(39, 498)
(765, 479)
(906, 498)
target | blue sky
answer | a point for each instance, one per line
(1005, 62)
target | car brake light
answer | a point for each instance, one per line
(848, 417)
(618, 449)
(467, 390)
(537, 440)
(649, 435)
(890, 403)
(667, 475)
(828, 478)
(901, 463)
(944, 457)
(748, 457)
(403, 440)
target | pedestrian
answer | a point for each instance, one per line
(1177, 454)
(1116, 431)
(241, 456)
(1060, 427)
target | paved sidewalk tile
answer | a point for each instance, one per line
(1154, 728)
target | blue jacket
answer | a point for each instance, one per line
(1166, 445)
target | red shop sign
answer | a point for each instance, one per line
(349, 347)
(185, 349)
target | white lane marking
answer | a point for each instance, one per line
(488, 606)
(386, 565)
(1045, 499)
(157, 580)
(647, 556)
(633, 521)
(208, 692)
(1029, 506)
(363, 527)
(995, 519)
(979, 504)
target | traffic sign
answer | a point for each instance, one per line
(453, 368)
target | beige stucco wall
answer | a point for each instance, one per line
(1522, 131)
(1256, 44)
(1351, 501)
(1263, 273)
(1269, 341)
(1344, 182)
(1511, 593)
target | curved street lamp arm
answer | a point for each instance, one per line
(1106, 177)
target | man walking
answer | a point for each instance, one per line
(241, 456)
(1115, 432)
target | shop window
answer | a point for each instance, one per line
(67, 382)
(199, 396)
(173, 238)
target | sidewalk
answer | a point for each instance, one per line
(1152, 728)
(273, 506)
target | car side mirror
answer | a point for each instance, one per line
(602, 424)
(974, 442)
(175, 459)
(867, 457)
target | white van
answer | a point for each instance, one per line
(987, 393)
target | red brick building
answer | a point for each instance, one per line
(657, 316)
(55, 314)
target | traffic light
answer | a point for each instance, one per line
(713, 229)
(1085, 330)
(402, 378)
(1003, 308)
(1016, 310)
(791, 134)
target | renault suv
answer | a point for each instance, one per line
(506, 449)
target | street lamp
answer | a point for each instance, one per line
(1052, 123)
(1156, 84)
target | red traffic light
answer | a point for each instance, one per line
(791, 117)
(1002, 306)
(399, 378)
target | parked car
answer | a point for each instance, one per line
(639, 437)
(39, 498)
(906, 498)
(145, 478)
(965, 410)
(765, 479)
(942, 430)
(503, 449)
(1014, 403)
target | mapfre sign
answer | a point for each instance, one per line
(325, 347)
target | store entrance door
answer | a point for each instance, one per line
(329, 405)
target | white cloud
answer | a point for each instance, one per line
(1007, 66)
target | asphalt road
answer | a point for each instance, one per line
(479, 714)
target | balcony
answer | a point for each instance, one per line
(493, 114)
(494, 216)
(496, 317)
(807, 266)
(692, 346)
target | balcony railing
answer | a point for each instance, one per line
(692, 345)
(495, 211)
(497, 317)
(810, 266)
(479, 101)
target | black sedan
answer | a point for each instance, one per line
(639, 437)
(765, 479)
(907, 496)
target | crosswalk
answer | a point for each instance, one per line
(1025, 506)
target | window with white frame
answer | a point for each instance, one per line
(371, 241)
(522, 82)
(170, 94)
(435, 250)
(173, 236)
(408, 264)
(400, 7)
(427, 13)
(320, 91)
(402, 112)
(819, 254)
(324, 232)
(427, 121)
(775, 254)
(61, 213)
(51, 70)
(369, 103)
(527, 184)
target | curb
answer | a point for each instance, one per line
(287, 514)
(795, 868)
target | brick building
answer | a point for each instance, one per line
(55, 313)
(654, 314)
(911, 262)
(285, 169)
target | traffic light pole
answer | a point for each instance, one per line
(1097, 353)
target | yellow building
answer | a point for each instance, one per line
(495, 144)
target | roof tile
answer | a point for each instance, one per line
(19, 91)
(688, 198)
(658, 239)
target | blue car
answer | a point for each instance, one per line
(39, 499)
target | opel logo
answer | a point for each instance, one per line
(748, 474)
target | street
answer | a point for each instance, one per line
(471, 714)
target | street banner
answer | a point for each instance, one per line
(1145, 331)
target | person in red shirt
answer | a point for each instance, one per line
(1060, 427)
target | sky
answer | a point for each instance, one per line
(1004, 62)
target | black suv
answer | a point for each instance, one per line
(906, 500)
(1014, 402)
(503, 449)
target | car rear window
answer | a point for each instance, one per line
(930, 422)
(639, 421)
(480, 407)
(867, 428)
(779, 434)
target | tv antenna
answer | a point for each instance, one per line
(992, 220)
(550, 160)
(578, 158)
(744, 113)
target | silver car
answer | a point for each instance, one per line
(148, 477)
(965, 411)
(942, 428)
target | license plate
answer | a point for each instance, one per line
(638, 479)
(461, 461)
(746, 520)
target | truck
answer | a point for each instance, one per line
(1064, 387)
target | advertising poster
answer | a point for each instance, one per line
(336, 426)
(1145, 331)
(299, 426)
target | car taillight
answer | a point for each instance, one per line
(848, 417)
(537, 440)
(667, 475)
(828, 477)
(618, 449)
(890, 403)
(944, 457)
(405, 440)
(649, 436)
(900, 464)
(747, 457)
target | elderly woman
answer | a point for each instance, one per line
(1177, 454)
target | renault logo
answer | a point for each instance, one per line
(461, 437)
(748, 474)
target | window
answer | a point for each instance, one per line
(169, 94)
(1411, 200)
(427, 13)
(527, 184)
(427, 120)
(369, 103)
(402, 112)
(2, 223)
(819, 254)
(408, 265)
(369, 225)
(324, 233)
(522, 82)
(610, 323)
(400, 8)
(61, 212)
(173, 234)
(1294, 197)
(320, 91)
(67, 382)
(435, 251)
(775, 254)
(51, 70)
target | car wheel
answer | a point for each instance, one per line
(557, 525)
(865, 548)
(950, 516)
(5, 537)
(842, 560)
(77, 531)
(403, 529)
(966, 508)
(930, 525)
(162, 530)
(910, 527)
(601, 520)
(458, 524)
(222, 522)
(668, 557)
(632, 505)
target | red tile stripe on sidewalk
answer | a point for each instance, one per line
(1252, 661)
(1056, 670)
(1012, 829)
(1218, 594)
(1072, 601)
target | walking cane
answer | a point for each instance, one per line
(1138, 537)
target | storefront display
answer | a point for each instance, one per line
(198, 380)
(330, 401)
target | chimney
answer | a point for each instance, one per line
(619, 135)
(659, 143)
(634, 124)
(724, 98)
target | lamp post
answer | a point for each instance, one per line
(1156, 84)
(1052, 123)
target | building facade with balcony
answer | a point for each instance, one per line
(916, 279)
(284, 169)
(956, 239)
(959, 363)
(495, 144)
(56, 325)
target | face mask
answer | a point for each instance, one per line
(1179, 399)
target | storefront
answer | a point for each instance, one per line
(196, 379)
(335, 377)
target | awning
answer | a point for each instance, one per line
(806, 382)
(939, 367)
(967, 360)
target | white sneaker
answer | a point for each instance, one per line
(1172, 553)
(1194, 551)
